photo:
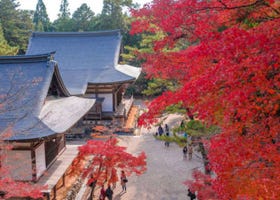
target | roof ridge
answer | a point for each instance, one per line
(26, 58)
(84, 34)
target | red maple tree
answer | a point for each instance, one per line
(225, 55)
(106, 158)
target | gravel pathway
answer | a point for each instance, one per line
(166, 169)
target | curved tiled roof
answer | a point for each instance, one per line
(24, 85)
(83, 57)
(59, 114)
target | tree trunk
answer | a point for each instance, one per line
(205, 158)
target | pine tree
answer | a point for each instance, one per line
(41, 20)
(82, 18)
(16, 24)
(64, 10)
(112, 16)
(5, 48)
(64, 22)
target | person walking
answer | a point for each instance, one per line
(190, 151)
(166, 143)
(191, 194)
(102, 195)
(109, 192)
(123, 181)
(185, 151)
(186, 135)
(166, 128)
(160, 130)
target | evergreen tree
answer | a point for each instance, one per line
(64, 22)
(41, 20)
(5, 48)
(112, 16)
(64, 11)
(82, 18)
(25, 28)
(136, 45)
(16, 24)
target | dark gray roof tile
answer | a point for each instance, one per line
(83, 57)
(25, 112)
(24, 83)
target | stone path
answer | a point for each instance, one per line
(166, 169)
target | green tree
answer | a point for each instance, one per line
(82, 18)
(140, 44)
(41, 19)
(112, 15)
(16, 24)
(64, 22)
(64, 11)
(5, 48)
(157, 86)
(25, 26)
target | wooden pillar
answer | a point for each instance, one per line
(33, 163)
(54, 193)
(115, 101)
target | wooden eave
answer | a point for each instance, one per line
(103, 88)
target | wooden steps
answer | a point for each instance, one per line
(131, 119)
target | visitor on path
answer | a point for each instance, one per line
(123, 181)
(185, 151)
(182, 124)
(109, 193)
(166, 143)
(102, 195)
(166, 128)
(160, 130)
(191, 195)
(182, 127)
(185, 135)
(190, 151)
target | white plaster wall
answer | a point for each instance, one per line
(107, 104)
(40, 160)
(19, 164)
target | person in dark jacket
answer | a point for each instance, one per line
(109, 193)
(185, 151)
(160, 130)
(166, 143)
(191, 194)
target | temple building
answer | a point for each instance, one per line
(88, 62)
(36, 109)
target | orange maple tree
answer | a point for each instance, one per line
(106, 158)
(225, 55)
